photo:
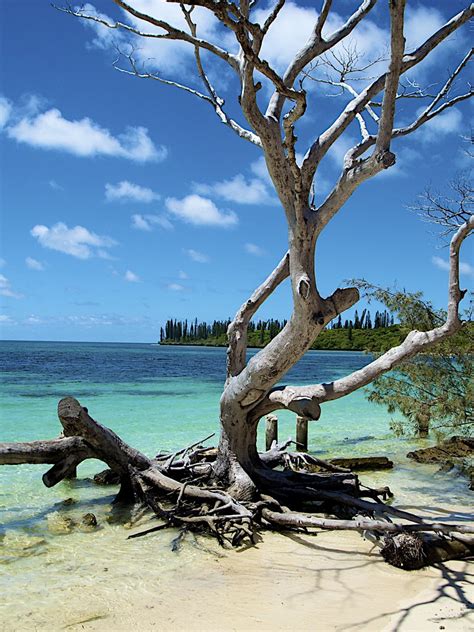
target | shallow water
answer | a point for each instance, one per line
(155, 398)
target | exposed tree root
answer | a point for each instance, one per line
(183, 490)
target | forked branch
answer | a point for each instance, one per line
(306, 399)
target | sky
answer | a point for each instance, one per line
(125, 202)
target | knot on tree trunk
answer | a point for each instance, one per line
(386, 159)
(304, 287)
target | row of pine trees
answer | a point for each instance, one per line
(191, 331)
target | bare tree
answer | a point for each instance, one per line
(250, 391)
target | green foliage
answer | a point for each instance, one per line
(434, 391)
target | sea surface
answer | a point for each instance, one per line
(156, 398)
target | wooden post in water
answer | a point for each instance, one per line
(302, 434)
(271, 430)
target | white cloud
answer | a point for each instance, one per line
(131, 277)
(88, 321)
(33, 320)
(295, 25)
(34, 264)
(55, 186)
(238, 190)
(182, 275)
(125, 191)
(175, 287)
(6, 290)
(253, 249)
(420, 23)
(197, 256)
(406, 157)
(200, 211)
(5, 111)
(287, 34)
(84, 137)
(162, 54)
(148, 222)
(442, 264)
(6, 320)
(3, 263)
(448, 122)
(77, 242)
(338, 150)
(259, 168)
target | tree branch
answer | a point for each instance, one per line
(397, 47)
(426, 115)
(237, 332)
(306, 399)
(322, 144)
(171, 32)
(315, 47)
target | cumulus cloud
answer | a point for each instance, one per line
(338, 150)
(125, 191)
(6, 320)
(162, 54)
(175, 287)
(83, 137)
(446, 123)
(182, 275)
(238, 189)
(148, 222)
(197, 256)
(131, 277)
(253, 249)
(5, 111)
(200, 211)
(295, 25)
(6, 290)
(34, 264)
(78, 241)
(464, 268)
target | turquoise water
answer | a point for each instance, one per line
(155, 398)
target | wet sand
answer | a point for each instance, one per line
(332, 581)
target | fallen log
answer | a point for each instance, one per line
(363, 463)
(454, 447)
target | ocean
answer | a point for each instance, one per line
(156, 398)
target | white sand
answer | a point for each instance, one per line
(329, 582)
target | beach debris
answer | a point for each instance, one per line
(107, 477)
(69, 501)
(89, 520)
(457, 451)
(454, 447)
(364, 462)
(404, 550)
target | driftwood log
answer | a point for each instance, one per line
(183, 490)
(364, 462)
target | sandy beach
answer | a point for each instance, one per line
(331, 581)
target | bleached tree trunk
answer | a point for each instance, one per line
(250, 390)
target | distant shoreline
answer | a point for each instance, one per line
(345, 339)
(223, 346)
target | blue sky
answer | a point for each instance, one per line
(125, 202)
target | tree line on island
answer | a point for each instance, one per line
(362, 332)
